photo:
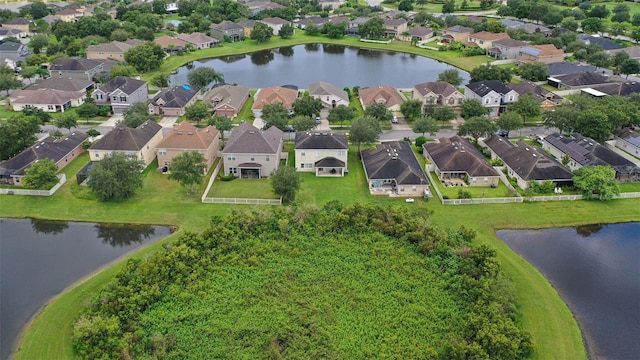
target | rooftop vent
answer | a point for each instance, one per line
(190, 133)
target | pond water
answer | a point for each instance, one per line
(39, 259)
(339, 65)
(596, 270)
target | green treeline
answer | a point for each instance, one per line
(352, 282)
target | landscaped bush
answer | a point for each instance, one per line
(462, 194)
(420, 140)
(496, 162)
(227, 177)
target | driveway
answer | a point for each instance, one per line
(168, 121)
(113, 121)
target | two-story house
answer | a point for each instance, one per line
(227, 28)
(139, 143)
(226, 99)
(77, 68)
(329, 94)
(275, 23)
(492, 94)
(505, 49)
(324, 153)
(252, 153)
(21, 24)
(437, 93)
(121, 93)
(394, 27)
(113, 50)
(485, 39)
(456, 33)
(187, 137)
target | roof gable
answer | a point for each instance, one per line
(247, 139)
(393, 160)
(188, 137)
(176, 97)
(123, 138)
(320, 140)
(458, 154)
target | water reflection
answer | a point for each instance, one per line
(375, 54)
(231, 59)
(333, 49)
(262, 57)
(286, 51)
(123, 235)
(312, 47)
(588, 230)
(49, 226)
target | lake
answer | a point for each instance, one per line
(596, 270)
(39, 259)
(339, 65)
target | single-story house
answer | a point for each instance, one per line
(171, 45)
(324, 153)
(629, 141)
(385, 95)
(112, 50)
(121, 93)
(49, 100)
(64, 84)
(528, 163)
(417, 34)
(139, 143)
(458, 162)
(578, 80)
(604, 43)
(199, 40)
(173, 101)
(77, 68)
(252, 153)
(271, 95)
(548, 100)
(187, 137)
(62, 151)
(566, 67)
(329, 94)
(393, 169)
(456, 33)
(13, 51)
(227, 99)
(546, 53)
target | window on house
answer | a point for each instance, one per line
(167, 163)
(162, 152)
(401, 188)
(414, 188)
(231, 157)
(511, 98)
(50, 107)
(452, 101)
(342, 152)
(233, 170)
(486, 180)
(302, 153)
(486, 101)
(253, 157)
(474, 180)
(97, 154)
(496, 100)
(123, 98)
(99, 96)
(267, 158)
(115, 98)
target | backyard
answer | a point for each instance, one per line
(476, 192)
(242, 188)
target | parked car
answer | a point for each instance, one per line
(318, 120)
(394, 120)
(503, 133)
(289, 128)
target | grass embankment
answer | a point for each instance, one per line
(554, 331)
(454, 58)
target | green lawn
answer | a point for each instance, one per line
(246, 113)
(476, 192)
(630, 187)
(436, 7)
(242, 188)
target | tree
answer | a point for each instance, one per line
(160, 80)
(448, 7)
(136, 115)
(122, 70)
(67, 120)
(411, 109)
(477, 127)
(188, 169)
(28, 73)
(145, 57)
(443, 113)
(425, 124)
(405, 5)
(116, 177)
(285, 182)
(600, 59)
(597, 182)
(261, 33)
(364, 130)
(569, 23)
(334, 30)
(472, 108)
(275, 115)
(39, 114)
(563, 118)
(307, 106)
(87, 110)
(379, 112)
(40, 175)
(9, 82)
(304, 123)
(526, 106)
(451, 76)
(222, 123)
(629, 66)
(509, 121)
(534, 71)
(16, 134)
(93, 133)
(341, 113)
(490, 72)
(599, 11)
(635, 34)
(593, 25)
(203, 76)
(594, 124)
(38, 10)
(286, 31)
(159, 7)
(197, 112)
(38, 42)
(372, 29)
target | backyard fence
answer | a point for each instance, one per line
(14, 191)
(503, 200)
(243, 201)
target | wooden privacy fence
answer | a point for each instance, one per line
(14, 191)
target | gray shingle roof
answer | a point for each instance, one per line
(458, 154)
(393, 160)
(321, 140)
(247, 139)
(605, 44)
(586, 151)
(482, 88)
(437, 87)
(565, 67)
(65, 84)
(323, 88)
(175, 97)
(629, 136)
(77, 64)
(126, 84)
(127, 139)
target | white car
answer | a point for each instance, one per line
(394, 120)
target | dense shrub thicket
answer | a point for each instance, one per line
(356, 281)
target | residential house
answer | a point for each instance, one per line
(64, 84)
(21, 24)
(485, 39)
(584, 151)
(438, 93)
(548, 100)
(605, 44)
(139, 143)
(69, 14)
(252, 153)
(333, 4)
(492, 94)
(121, 93)
(6, 32)
(566, 68)
(13, 51)
(199, 40)
(511, 23)
(255, 7)
(534, 28)
(395, 27)
(476, 19)
(385, 95)
(172, 7)
(247, 26)
(629, 141)
(318, 21)
(506, 49)
(456, 33)
(393, 169)
(324, 153)
(329, 94)
(528, 163)
(457, 162)
(227, 100)
(619, 88)
(226, 28)
(62, 151)
(275, 94)
(112, 50)
(417, 34)
(77, 68)
(187, 137)
(275, 23)
(49, 100)
(173, 101)
(546, 53)
(171, 45)
(50, 19)
(632, 51)
(578, 80)
(352, 27)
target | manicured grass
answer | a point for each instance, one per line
(431, 7)
(355, 103)
(476, 192)
(629, 187)
(242, 188)
(246, 113)
(5, 113)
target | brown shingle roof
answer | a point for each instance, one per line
(247, 139)
(487, 36)
(232, 95)
(165, 41)
(437, 87)
(386, 95)
(112, 47)
(275, 94)
(196, 38)
(186, 136)
(458, 154)
(127, 139)
(45, 96)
